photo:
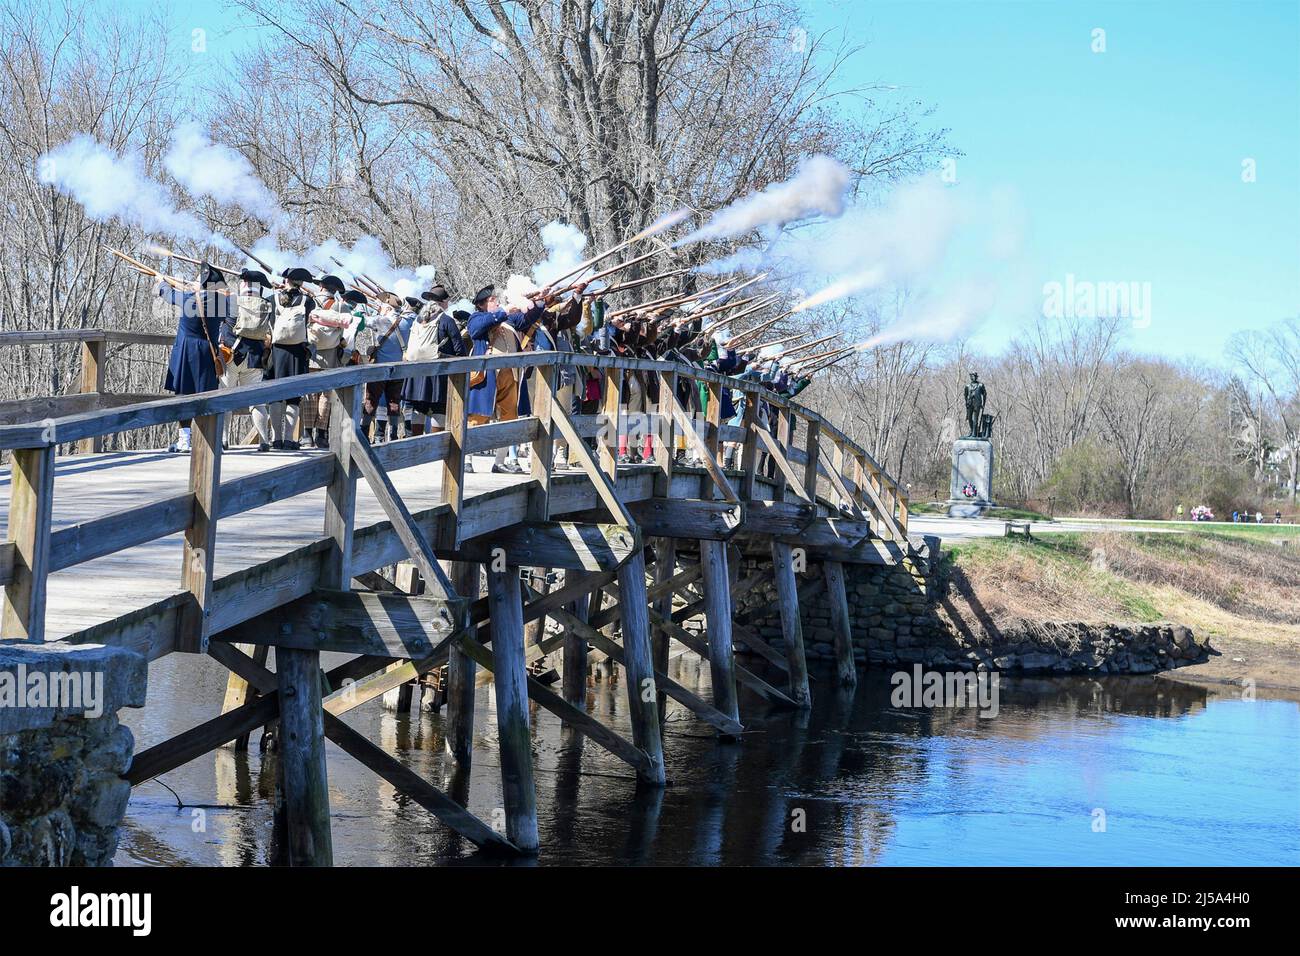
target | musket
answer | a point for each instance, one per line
(632, 283)
(618, 268)
(663, 303)
(761, 304)
(742, 337)
(168, 253)
(816, 361)
(270, 273)
(729, 292)
(722, 308)
(143, 269)
(664, 222)
(825, 365)
(812, 344)
(756, 347)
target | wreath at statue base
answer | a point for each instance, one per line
(969, 495)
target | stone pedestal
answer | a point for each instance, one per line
(971, 491)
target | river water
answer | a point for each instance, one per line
(1117, 771)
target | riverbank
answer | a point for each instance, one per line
(1238, 586)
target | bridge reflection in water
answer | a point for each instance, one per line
(1182, 777)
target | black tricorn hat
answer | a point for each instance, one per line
(354, 296)
(460, 315)
(208, 275)
(436, 293)
(331, 284)
(297, 274)
(484, 293)
(412, 301)
(254, 275)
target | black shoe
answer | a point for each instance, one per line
(278, 444)
(263, 446)
(291, 445)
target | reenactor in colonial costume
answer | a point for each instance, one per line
(495, 393)
(391, 332)
(434, 335)
(246, 342)
(194, 364)
(325, 327)
(290, 352)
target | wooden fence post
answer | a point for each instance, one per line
(31, 498)
(93, 353)
(201, 535)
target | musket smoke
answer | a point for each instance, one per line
(564, 245)
(953, 313)
(211, 170)
(816, 189)
(113, 187)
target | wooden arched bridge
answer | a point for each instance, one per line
(280, 550)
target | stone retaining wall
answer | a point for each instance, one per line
(62, 794)
(901, 615)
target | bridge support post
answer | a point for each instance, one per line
(460, 674)
(787, 592)
(717, 618)
(93, 352)
(31, 501)
(836, 597)
(642, 697)
(665, 567)
(574, 684)
(302, 758)
(505, 603)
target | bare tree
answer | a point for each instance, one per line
(1271, 361)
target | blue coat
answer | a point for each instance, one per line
(190, 369)
(483, 398)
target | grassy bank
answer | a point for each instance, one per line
(1238, 584)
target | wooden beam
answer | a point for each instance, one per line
(611, 425)
(749, 448)
(408, 782)
(791, 627)
(31, 499)
(360, 622)
(642, 696)
(688, 518)
(841, 623)
(813, 451)
(743, 674)
(200, 544)
(453, 465)
(459, 730)
(665, 447)
(717, 613)
(92, 382)
(412, 538)
(574, 676)
(787, 518)
(604, 487)
(701, 708)
(513, 736)
(664, 570)
(539, 492)
(706, 448)
(341, 492)
(580, 720)
(553, 544)
(786, 475)
(301, 755)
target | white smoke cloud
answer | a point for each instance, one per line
(940, 320)
(816, 189)
(211, 170)
(112, 187)
(564, 245)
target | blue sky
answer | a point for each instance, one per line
(1127, 164)
(1120, 166)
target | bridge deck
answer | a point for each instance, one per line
(91, 486)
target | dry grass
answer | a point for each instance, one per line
(1244, 586)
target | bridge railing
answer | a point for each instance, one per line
(827, 469)
(93, 374)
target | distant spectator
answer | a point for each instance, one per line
(1236, 517)
(1277, 516)
(1259, 517)
(1179, 511)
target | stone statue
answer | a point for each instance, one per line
(975, 397)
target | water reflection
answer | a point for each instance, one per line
(1112, 771)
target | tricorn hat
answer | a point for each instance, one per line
(482, 294)
(254, 275)
(355, 297)
(297, 274)
(436, 293)
(331, 284)
(412, 302)
(460, 315)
